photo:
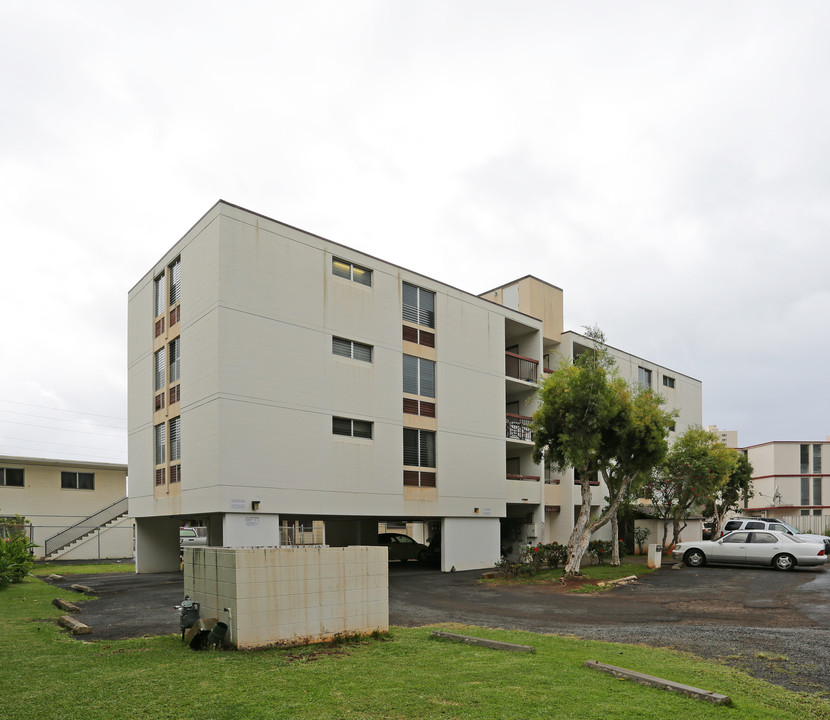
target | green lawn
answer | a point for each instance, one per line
(44, 569)
(48, 675)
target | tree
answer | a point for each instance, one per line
(733, 493)
(695, 469)
(592, 420)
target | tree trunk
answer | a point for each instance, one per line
(615, 539)
(580, 537)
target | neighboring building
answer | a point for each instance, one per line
(727, 437)
(278, 380)
(74, 510)
(790, 478)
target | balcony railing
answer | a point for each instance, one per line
(517, 427)
(530, 478)
(521, 367)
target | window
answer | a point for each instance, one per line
(160, 444)
(160, 401)
(351, 428)
(817, 491)
(418, 407)
(418, 448)
(668, 381)
(418, 376)
(175, 394)
(159, 364)
(351, 349)
(11, 477)
(816, 461)
(175, 315)
(175, 358)
(805, 491)
(175, 474)
(421, 337)
(644, 376)
(418, 305)
(159, 296)
(78, 481)
(160, 476)
(175, 281)
(350, 271)
(736, 537)
(764, 538)
(805, 458)
(159, 327)
(175, 440)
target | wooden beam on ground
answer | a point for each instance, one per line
(83, 589)
(652, 681)
(482, 642)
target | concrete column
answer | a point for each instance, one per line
(157, 545)
(253, 530)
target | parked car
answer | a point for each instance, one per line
(401, 547)
(755, 547)
(757, 523)
(190, 536)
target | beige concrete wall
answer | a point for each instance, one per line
(286, 596)
(116, 540)
(776, 468)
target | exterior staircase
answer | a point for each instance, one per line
(76, 533)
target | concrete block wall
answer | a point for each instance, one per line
(290, 596)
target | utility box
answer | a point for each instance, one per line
(655, 556)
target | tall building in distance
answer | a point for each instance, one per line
(281, 382)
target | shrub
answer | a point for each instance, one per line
(600, 551)
(15, 551)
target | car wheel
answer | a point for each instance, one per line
(694, 558)
(422, 556)
(783, 562)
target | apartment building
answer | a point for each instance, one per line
(73, 510)
(790, 478)
(280, 380)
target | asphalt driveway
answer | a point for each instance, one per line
(774, 625)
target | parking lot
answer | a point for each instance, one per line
(775, 625)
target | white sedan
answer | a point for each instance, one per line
(752, 547)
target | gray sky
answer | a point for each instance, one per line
(666, 164)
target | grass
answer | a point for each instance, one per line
(51, 676)
(44, 569)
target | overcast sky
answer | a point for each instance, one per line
(666, 164)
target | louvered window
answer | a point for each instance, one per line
(421, 337)
(418, 407)
(175, 281)
(175, 440)
(159, 363)
(418, 305)
(418, 448)
(159, 304)
(175, 474)
(160, 444)
(160, 472)
(160, 401)
(351, 428)
(175, 360)
(175, 315)
(351, 349)
(350, 271)
(175, 394)
(418, 376)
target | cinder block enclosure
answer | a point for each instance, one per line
(290, 596)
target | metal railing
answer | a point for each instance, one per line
(85, 527)
(521, 367)
(518, 427)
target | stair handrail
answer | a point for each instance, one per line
(83, 527)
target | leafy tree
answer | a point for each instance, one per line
(696, 467)
(733, 493)
(592, 420)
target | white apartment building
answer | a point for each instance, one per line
(790, 478)
(280, 380)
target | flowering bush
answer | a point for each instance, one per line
(601, 550)
(533, 558)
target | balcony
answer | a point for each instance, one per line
(521, 367)
(517, 427)
(529, 478)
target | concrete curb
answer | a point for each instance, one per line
(83, 589)
(64, 605)
(688, 690)
(481, 642)
(75, 627)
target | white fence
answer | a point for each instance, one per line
(816, 524)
